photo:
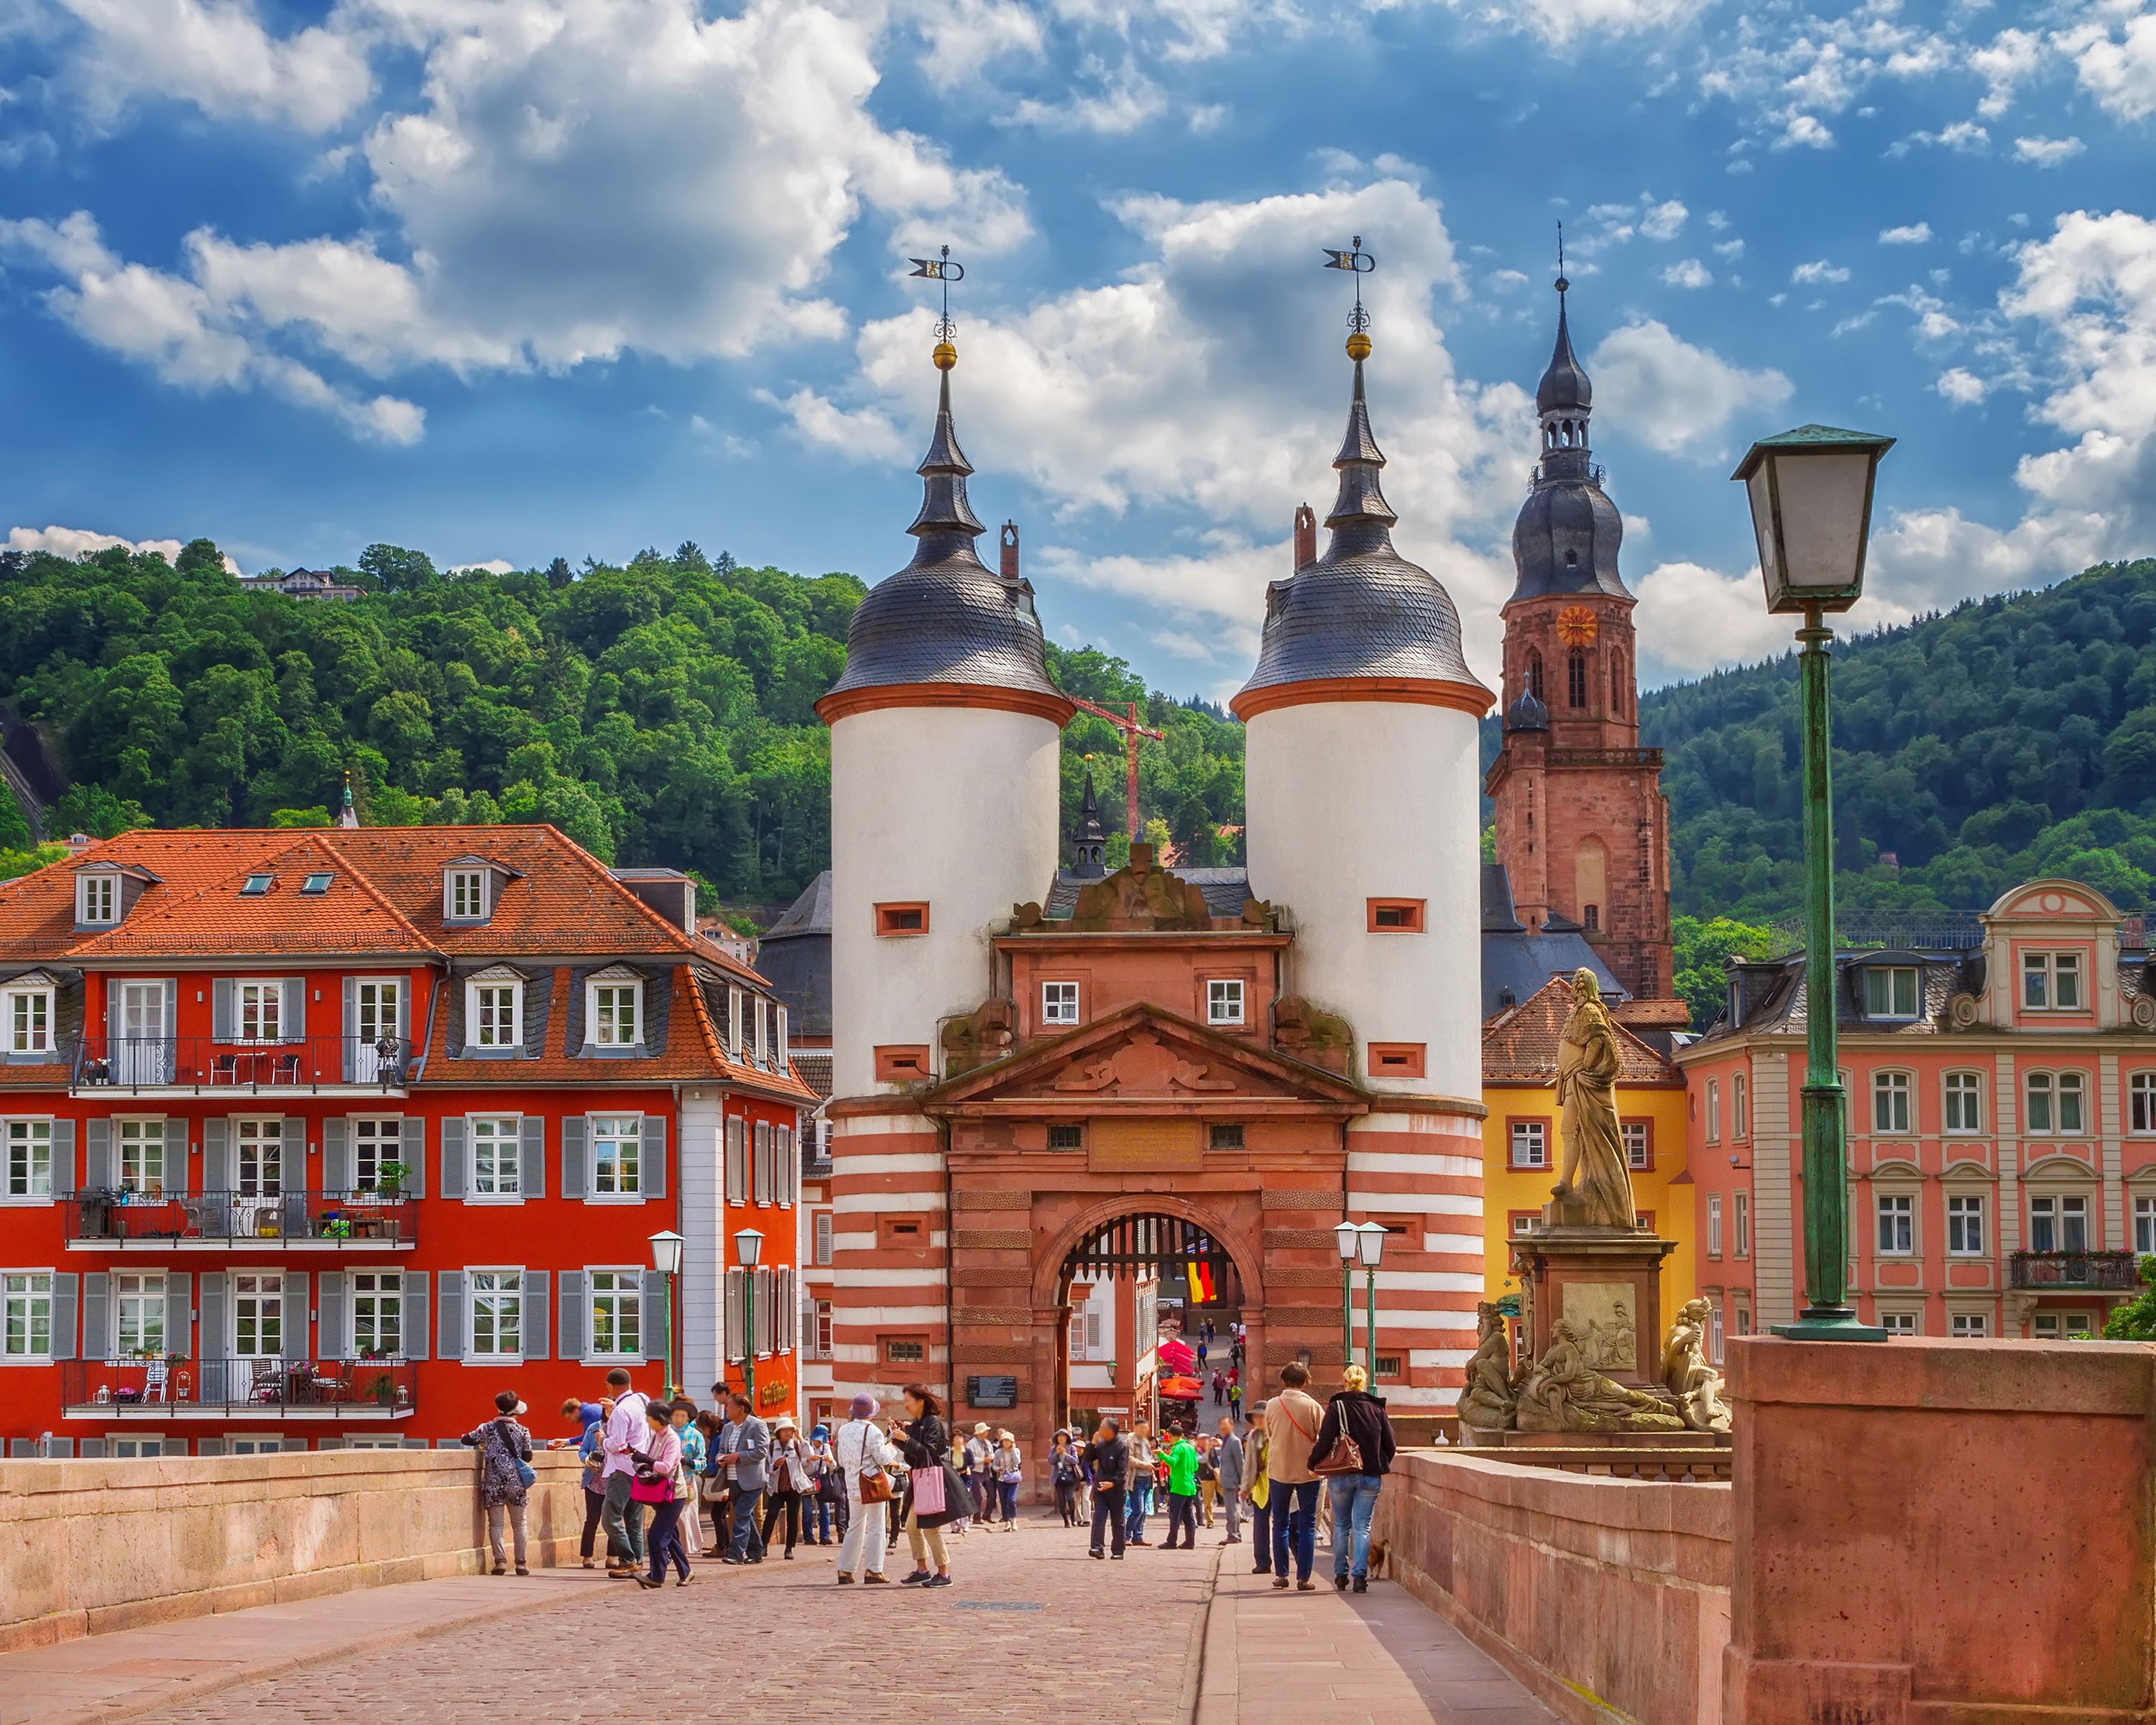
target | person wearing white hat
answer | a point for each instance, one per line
(980, 1473)
(791, 1481)
(862, 1450)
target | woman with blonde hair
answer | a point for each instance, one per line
(1354, 1452)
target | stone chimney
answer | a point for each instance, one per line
(1010, 551)
(1306, 536)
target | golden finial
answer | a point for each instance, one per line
(945, 356)
(1358, 346)
(942, 269)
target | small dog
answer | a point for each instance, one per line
(1378, 1555)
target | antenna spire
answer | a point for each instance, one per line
(1359, 264)
(1561, 284)
(940, 269)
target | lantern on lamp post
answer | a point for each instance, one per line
(1370, 1247)
(1346, 1236)
(666, 1260)
(1810, 492)
(748, 1247)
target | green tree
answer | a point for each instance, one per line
(1700, 946)
(2135, 1320)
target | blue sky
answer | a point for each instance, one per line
(506, 280)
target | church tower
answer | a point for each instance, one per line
(1581, 824)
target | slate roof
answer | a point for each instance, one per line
(1362, 610)
(1777, 1001)
(808, 914)
(1522, 1044)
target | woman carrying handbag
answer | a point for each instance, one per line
(935, 1503)
(860, 1455)
(657, 1465)
(1353, 1452)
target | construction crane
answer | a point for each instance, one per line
(1132, 731)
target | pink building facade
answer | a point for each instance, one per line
(2002, 1126)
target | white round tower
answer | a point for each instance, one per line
(1360, 785)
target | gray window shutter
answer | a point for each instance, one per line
(535, 1315)
(216, 1156)
(531, 1175)
(651, 1171)
(172, 1017)
(658, 1320)
(176, 1156)
(292, 1021)
(179, 1299)
(214, 1331)
(412, 1319)
(99, 1173)
(223, 1026)
(350, 1022)
(295, 1165)
(65, 1290)
(97, 1337)
(449, 1315)
(63, 1174)
(337, 1170)
(412, 1143)
(453, 1158)
(296, 1332)
(209, 1447)
(93, 1449)
(575, 1163)
(574, 1323)
(333, 1316)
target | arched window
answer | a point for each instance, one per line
(1617, 684)
(1590, 917)
(1576, 680)
(1535, 674)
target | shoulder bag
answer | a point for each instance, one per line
(526, 1476)
(875, 1483)
(1344, 1457)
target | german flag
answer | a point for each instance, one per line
(1204, 1289)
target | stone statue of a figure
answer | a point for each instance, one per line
(1564, 1394)
(1696, 1385)
(1594, 1173)
(1486, 1402)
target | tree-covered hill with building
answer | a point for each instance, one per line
(658, 711)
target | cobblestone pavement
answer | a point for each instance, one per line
(1030, 1626)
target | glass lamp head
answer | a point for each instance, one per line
(666, 1252)
(1346, 1233)
(1372, 1245)
(1810, 492)
(748, 1247)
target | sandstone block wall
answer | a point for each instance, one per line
(1598, 1593)
(86, 1546)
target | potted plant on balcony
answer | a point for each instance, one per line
(384, 1389)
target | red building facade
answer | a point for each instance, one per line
(321, 1139)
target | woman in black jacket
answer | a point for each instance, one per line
(928, 1447)
(1356, 1417)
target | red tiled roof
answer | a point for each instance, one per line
(1524, 1042)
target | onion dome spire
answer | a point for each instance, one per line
(944, 471)
(1565, 384)
(1567, 538)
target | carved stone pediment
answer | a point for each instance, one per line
(1143, 1067)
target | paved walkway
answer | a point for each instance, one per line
(1158, 1638)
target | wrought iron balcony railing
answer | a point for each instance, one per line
(363, 1221)
(345, 1388)
(203, 1064)
(2071, 1271)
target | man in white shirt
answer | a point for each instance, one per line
(861, 1448)
(623, 1517)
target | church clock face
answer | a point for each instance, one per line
(1576, 626)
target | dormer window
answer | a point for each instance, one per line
(97, 900)
(2051, 982)
(493, 1013)
(465, 897)
(26, 1017)
(257, 884)
(1893, 991)
(613, 1011)
(316, 884)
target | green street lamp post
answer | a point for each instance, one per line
(1372, 1247)
(1810, 492)
(1346, 1236)
(748, 1247)
(666, 1260)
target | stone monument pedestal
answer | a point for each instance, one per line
(1607, 1280)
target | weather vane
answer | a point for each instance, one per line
(942, 269)
(1359, 264)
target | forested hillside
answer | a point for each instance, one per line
(658, 712)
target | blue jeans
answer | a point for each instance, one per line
(746, 1542)
(1141, 1501)
(1295, 1527)
(1008, 1490)
(1181, 1513)
(665, 1540)
(1262, 1537)
(1354, 1501)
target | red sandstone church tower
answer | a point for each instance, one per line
(1582, 828)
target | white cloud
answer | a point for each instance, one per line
(1965, 135)
(217, 55)
(573, 180)
(2047, 152)
(1663, 221)
(74, 541)
(865, 434)
(1670, 395)
(1730, 249)
(1819, 270)
(1961, 387)
(1915, 233)
(2010, 60)
(1691, 273)
(1693, 619)
(492, 566)
(1126, 99)
(2120, 72)
(1561, 22)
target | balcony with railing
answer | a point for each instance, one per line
(170, 1388)
(2073, 1272)
(103, 1221)
(200, 1065)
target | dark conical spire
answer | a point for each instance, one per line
(944, 470)
(1090, 842)
(1564, 385)
(1360, 510)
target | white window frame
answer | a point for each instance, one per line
(2062, 1093)
(1058, 1003)
(627, 1291)
(512, 1192)
(140, 1445)
(1533, 1133)
(1968, 1326)
(483, 1027)
(1638, 1140)
(97, 900)
(1742, 1241)
(23, 1130)
(372, 1440)
(467, 895)
(1714, 1111)
(1965, 1212)
(514, 1293)
(1892, 998)
(2144, 1226)
(2058, 1209)
(134, 1133)
(625, 1133)
(2051, 977)
(26, 1018)
(602, 1017)
(148, 1299)
(1901, 1323)
(264, 998)
(389, 1301)
(1714, 1224)
(1714, 1342)
(382, 1132)
(26, 1298)
(254, 1443)
(1224, 1002)
(1961, 1104)
(2141, 1104)
(1895, 1214)
(281, 1293)
(261, 1127)
(1740, 1107)
(1893, 1103)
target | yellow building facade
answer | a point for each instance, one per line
(1521, 1152)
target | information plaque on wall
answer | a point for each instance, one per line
(992, 1391)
